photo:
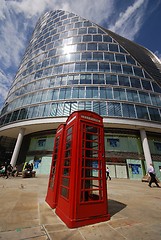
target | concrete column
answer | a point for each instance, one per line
(17, 147)
(146, 149)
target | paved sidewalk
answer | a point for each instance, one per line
(134, 207)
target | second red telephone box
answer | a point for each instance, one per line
(54, 179)
(82, 195)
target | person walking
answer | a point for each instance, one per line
(107, 174)
(153, 179)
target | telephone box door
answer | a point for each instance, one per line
(54, 178)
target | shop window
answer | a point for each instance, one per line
(113, 142)
(41, 142)
(157, 146)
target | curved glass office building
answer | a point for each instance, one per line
(73, 64)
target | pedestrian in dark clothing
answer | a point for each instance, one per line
(107, 173)
(9, 170)
(153, 179)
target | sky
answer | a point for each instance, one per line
(136, 20)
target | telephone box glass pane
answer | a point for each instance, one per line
(55, 156)
(91, 174)
(67, 164)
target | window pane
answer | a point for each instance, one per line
(103, 46)
(127, 69)
(154, 114)
(85, 79)
(123, 81)
(111, 79)
(98, 79)
(109, 93)
(138, 72)
(92, 66)
(104, 67)
(80, 67)
(119, 94)
(92, 46)
(146, 85)
(120, 57)
(128, 110)
(109, 56)
(132, 95)
(102, 92)
(86, 56)
(142, 112)
(116, 68)
(144, 98)
(135, 82)
(130, 60)
(107, 38)
(87, 38)
(114, 109)
(113, 47)
(97, 56)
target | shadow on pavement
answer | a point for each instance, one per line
(115, 206)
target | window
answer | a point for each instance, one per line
(92, 67)
(86, 56)
(130, 60)
(144, 97)
(138, 72)
(111, 79)
(135, 82)
(82, 30)
(128, 110)
(154, 114)
(91, 92)
(104, 67)
(156, 87)
(80, 67)
(97, 38)
(114, 109)
(156, 100)
(119, 94)
(81, 47)
(157, 145)
(113, 47)
(87, 38)
(102, 46)
(98, 79)
(92, 46)
(109, 57)
(109, 94)
(124, 81)
(120, 57)
(146, 85)
(102, 92)
(97, 56)
(92, 30)
(107, 38)
(127, 69)
(132, 95)
(142, 112)
(116, 68)
(113, 142)
(85, 79)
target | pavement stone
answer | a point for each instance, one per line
(135, 211)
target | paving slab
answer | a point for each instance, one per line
(135, 211)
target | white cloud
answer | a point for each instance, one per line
(130, 21)
(158, 54)
(4, 86)
(17, 17)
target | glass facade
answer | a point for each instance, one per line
(73, 64)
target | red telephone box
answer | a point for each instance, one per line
(53, 185)
(82, 195)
